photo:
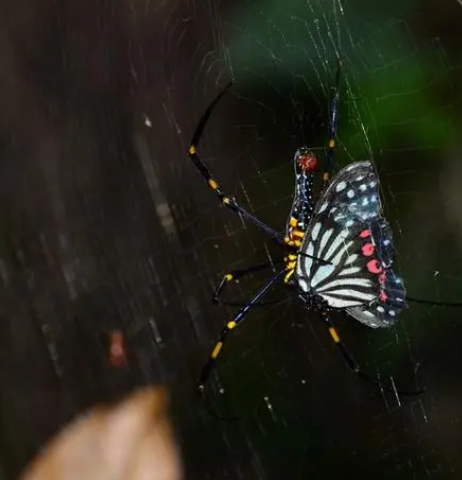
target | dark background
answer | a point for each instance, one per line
(105, 224)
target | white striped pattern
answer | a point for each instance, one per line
(337, 282)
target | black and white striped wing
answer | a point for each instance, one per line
(349, 231)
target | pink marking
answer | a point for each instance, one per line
(365, 233)
(367, 249)
(374, 266)
(383, 297)
(382, 277)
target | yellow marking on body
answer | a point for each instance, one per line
(331, 143)
(216, 350)
(297, 243)
(298, 233)
(291, 265)
(293, 222)
(292, 257)
(334, 335)
(226, 200)
(231, 324)
(192, 150)
(213, 184)
(228, 277)
(287, 277)
(325, 176)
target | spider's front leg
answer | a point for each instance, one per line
(226, 200)
(333, 120)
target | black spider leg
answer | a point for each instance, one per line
(433, 303)
(320, 260)
(333, 121)
(228, 202)
(231, 325)
(354, 365)
(234, 275)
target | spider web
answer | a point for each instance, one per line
(107, 226)
(399, 108)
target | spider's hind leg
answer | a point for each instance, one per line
(354, 365)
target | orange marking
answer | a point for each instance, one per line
(213, 184)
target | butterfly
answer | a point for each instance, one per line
(347, 251)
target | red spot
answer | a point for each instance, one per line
(382, 277)
(367, 249)
(365, 233)
(374, 266)
(383, 297)
(307, 162)
(117, 350)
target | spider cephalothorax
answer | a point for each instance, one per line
(305, 160)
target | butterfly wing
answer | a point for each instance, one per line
(348, 230)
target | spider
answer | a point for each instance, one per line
(339, 249)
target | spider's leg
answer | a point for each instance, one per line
(354, 365)
(434, 303)
(230, 325)
(227, 201)
(333, 120)
(232, 276)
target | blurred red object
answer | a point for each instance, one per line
(117, 349)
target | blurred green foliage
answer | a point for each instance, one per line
(395, 79)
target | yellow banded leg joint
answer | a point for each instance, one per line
(231, 325)
(213, 184)
(216, 350)
(288, 275)
(334, 335)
